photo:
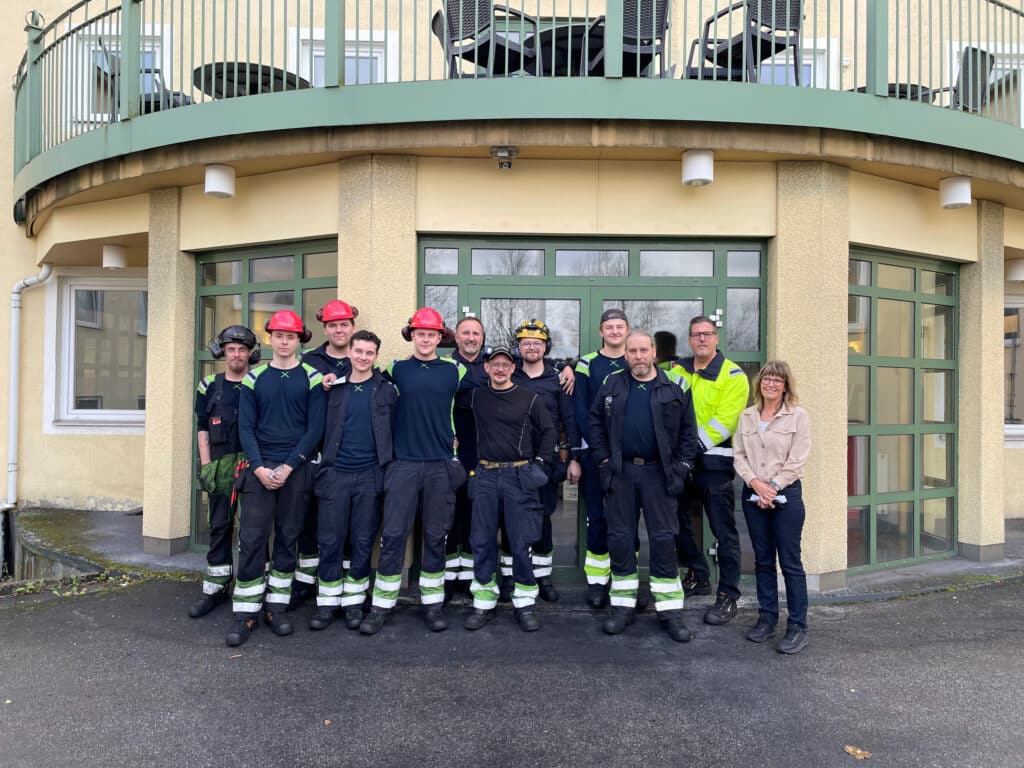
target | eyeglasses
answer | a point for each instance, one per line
(703, 335)
(500, 366)
(527, 344)
(773, 381)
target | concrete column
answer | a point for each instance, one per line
(980, 452)
(167, 474)
(807, 317)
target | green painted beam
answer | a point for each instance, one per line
(531, 99)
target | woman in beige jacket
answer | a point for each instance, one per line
(771, 446)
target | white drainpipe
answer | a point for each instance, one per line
(13, 393)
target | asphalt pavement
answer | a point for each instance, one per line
(123, 677)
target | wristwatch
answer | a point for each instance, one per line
(775, 485)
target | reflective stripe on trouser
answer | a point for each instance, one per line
(217, 579)
(306, 571)
(385, 591)
(542, 564)
(524, 595)
(431, 588)
(497, 489)
(668, 594)
(452, 563)
(506, 565)
(485, 596)
(597, 568)
(248, 596)
(355, 591)
(466, 567)
(328, 593)
(624, 589)
(279, 587)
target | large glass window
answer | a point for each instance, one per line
(901, 419)
(1013, 365)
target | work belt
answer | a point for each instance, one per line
(484, 464)
(640, 462)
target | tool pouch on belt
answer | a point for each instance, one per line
(240, 472)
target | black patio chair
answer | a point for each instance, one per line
(768, 27)
(644, 27)
(153, 95)
(490, 36)
(970, 93)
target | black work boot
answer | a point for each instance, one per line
(676, 627)
(547, 590)
(722, 611)
(763, 630)
(597, 595)
(692, 585)
(619, 619)
(277, 621)
(354, 616)
(241, 628)
(374, 621)
(207, 603)
(527, 619)
(477, 619)
(794, 641)
(322, 618)
(505, 589)
(301, 592)
(434, 618)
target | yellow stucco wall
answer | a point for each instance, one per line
(593, 197)
(108, 220)
(903, 217)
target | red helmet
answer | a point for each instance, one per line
(336, 309)
(286, 320)
(426, 318)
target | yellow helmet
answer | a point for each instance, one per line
(534, 329)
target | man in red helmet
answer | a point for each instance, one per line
(280, 423)
(332, 360)
(425, 474)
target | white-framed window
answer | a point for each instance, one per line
(1013, 368)
(96, 338)
(371, 56)
(817, 70)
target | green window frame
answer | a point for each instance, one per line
(902, 416)
(244, 285)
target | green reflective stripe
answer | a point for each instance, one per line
(485, 596)
(431, 587)
(205, 383)
(250, 378)
(279, 582)
(583, 364)
(313, 375)
(219, 580)
(623, 590)
(668, 593)
(249, 591)
(354, 586)
(598, 567)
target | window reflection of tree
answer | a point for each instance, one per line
(508, 261)
(501, 318)
(651, 315)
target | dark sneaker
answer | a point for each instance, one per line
(547, 590)
(435, 620)
(354, 616)
(374, 621)
(477, 619)
(322, 618)
(619, 619)
(676, 629)
(527, 620)
(794, 641)
(277, 622)
(240, 630)
(505, 589)
(597, 595)
(695, 586)
(301, 592)
(207, 603)
(761, 631)
(722, 611)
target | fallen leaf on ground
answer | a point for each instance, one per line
(857, 752)
(7, 702)
(327, 722)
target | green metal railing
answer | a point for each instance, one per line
(108, 61)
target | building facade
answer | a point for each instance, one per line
(379, 156)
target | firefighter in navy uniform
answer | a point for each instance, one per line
(331, 359)
(516, 441)
(535, 374)
(280, 423)
(219, 452)
(357, 447)
(645, 443)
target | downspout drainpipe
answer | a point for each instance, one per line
(14, 395)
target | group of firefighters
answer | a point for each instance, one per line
(327, 455)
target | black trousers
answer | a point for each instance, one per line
(349, 514)
(641, 488)
(715, 491)
(222, 520)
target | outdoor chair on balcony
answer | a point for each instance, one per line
(644, 27)
(490, 36)
(768, 27)
(153, 96)
(970, 93)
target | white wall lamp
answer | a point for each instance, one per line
(1015, 271)
(698, 167)
(504, 156)
(115, 257)
(955, 192)
(220, 181)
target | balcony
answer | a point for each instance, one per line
(109, 78)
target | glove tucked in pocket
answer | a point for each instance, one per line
(208, 477)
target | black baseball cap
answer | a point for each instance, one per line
(494, 352)
(613, 314)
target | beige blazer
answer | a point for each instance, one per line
(779, 453)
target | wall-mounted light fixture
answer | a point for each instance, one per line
(220, 181)
(115, 257)
(504, 156)
(955, 192)
(698, 167)
(1015, 271)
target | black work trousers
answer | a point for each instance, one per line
(349, 514)
(641, 488)
(715, 491)
(222, 523)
